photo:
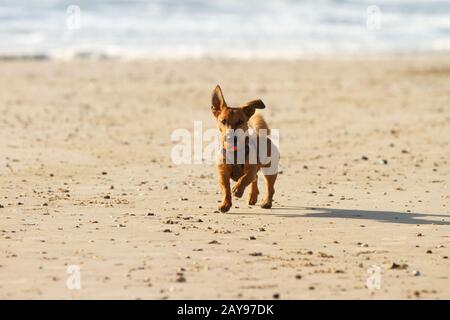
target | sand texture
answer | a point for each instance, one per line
(86, 179)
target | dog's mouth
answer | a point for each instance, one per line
(234, 145)
(233, 142)
(230, 147)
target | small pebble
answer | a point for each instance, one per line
(256, 254)
(399, 266)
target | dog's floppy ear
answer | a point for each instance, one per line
(249, 107)
(218, 102)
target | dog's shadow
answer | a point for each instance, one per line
(382, 216)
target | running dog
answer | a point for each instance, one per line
(245, 147)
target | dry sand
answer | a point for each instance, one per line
(86, 179)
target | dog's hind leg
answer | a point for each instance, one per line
(270, 190)
(253, 195)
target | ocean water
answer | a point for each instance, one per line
(222, 28)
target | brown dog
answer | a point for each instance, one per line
(245, 172)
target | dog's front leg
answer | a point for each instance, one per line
(248, 177)
(224, 173)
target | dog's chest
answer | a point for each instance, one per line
(237, 171)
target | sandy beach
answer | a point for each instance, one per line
(86, 179)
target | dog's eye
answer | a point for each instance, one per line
(239, 122)
(224, 121)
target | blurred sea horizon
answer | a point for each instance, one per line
(222, 28)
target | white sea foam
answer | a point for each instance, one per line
(225, 28)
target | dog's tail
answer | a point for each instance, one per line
(257, 122)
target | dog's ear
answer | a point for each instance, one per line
(218, 102)
(249, 107)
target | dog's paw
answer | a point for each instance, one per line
(266, 204)
(252, 199)
(224, 207)
(238, 193)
